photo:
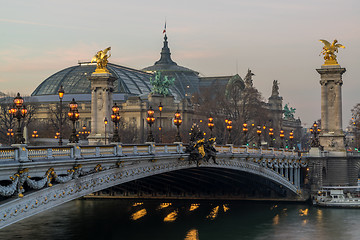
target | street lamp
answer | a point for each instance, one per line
(177, 122)
(105, 124)
(245, 130)
(211, 125)
(150, 120)
(61, 95)
(271, 136)
(35, 134)
(10, 134)
(291, 137)
(115, 117)
(282, 135)
(18, 111)
(160, 128)
(57, 134)
(84, 133)
(73, 116)
(258, 131)
(229, 128)
(315, 130)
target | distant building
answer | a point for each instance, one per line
(132, 93)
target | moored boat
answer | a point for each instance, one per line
(336, 197)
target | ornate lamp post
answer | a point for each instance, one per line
(115, 117)
(73, 116)
(271, 137)
(150, 120)
(258, 131)
(245, 130)
(282, 135)
(18, 111)
(160, 127)
(291, 137)
(105, 125)
(177, 122)
(61, 95)
(229, 128)
(315, 130)
(211, 125)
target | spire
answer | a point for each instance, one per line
(165, 54)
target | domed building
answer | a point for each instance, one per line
(75, 80)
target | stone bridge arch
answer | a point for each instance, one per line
(115, 172)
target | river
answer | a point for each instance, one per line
(186, 220)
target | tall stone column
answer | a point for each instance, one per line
(102, 85)
(332, 135)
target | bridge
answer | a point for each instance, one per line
(34, 179)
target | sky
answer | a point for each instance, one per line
(277, 40)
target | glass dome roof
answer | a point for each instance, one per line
(75, 80)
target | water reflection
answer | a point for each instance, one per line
(110, 219)
(137, 204)
(164, 205)
(192, 234)
(276, 219)
(319, 215)
(139, 214)
(194, 206)
(303, 212)
(213, 214)
(171, 217)
(273, 207)
(225, 207)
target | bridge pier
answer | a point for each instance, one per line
(332, 169)
(291, 174)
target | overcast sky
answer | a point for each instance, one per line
(276, 39)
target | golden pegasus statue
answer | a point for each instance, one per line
(101, 59)
(329, 51)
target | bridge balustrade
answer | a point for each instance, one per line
(36, 153)
(7, 154)
(239, 150)
(168, 148)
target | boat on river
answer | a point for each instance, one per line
(337, 197)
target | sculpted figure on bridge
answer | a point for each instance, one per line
(329, 51)
(199, 148)
(101, 59)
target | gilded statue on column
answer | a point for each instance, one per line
(329, 51)
(101, 59)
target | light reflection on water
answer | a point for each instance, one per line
(171, 217)
(194, 206)
(122, 219)
(192, 234)
(214, 213)
(139, 214)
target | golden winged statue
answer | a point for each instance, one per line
(329, 51)
(101, 59)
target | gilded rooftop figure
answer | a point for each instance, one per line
(329, 51)
(101, 59)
